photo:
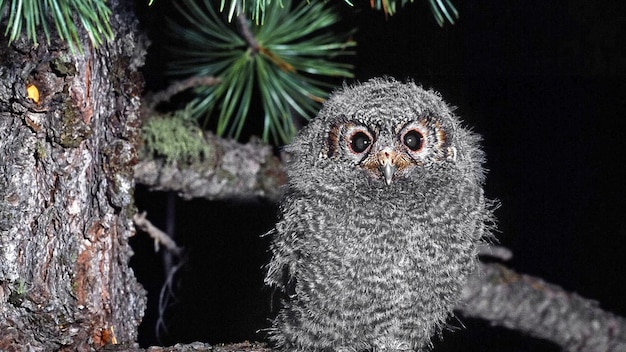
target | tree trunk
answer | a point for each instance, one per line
(66, 190)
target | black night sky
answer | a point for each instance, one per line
(543, 82)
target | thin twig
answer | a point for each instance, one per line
(167, 293)
(159, 236)
(243, 24)
(179, 86)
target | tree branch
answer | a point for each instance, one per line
(233, 170)
(159, 236)
(151, 101)
(196, 347)
(243, 24)
(543, 310)
(498, 252)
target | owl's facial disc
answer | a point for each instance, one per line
(381, 163)
(386, 152)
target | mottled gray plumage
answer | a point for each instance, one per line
(379, 222)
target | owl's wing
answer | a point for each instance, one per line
(286, 247)
(278, 273)
(279, 276)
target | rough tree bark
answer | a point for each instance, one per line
(231, 171)
(66, 190)
(542, 310)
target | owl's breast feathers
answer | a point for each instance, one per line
(365, 268)
(362, 237)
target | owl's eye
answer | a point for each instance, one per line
(360, 141)
(414, 140)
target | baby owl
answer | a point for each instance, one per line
(379, 222)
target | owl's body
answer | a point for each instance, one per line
(379, 223)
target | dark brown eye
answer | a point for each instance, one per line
(413, 140)
(360, 141)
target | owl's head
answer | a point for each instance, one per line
(387, 134)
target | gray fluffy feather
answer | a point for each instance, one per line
(375, 267)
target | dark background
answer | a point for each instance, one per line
(543, 82)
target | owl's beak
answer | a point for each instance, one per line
(388, 169)
(387, 163)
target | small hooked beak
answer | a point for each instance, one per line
(387, 169)
(387, 164)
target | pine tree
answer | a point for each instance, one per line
(69, 130)
(77, 132)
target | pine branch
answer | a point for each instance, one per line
(31, 17)
(542, 310)
(244, 29)
(233, 170)
(442, 10)
(196, 347)
(291, 60)
(160, 237)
